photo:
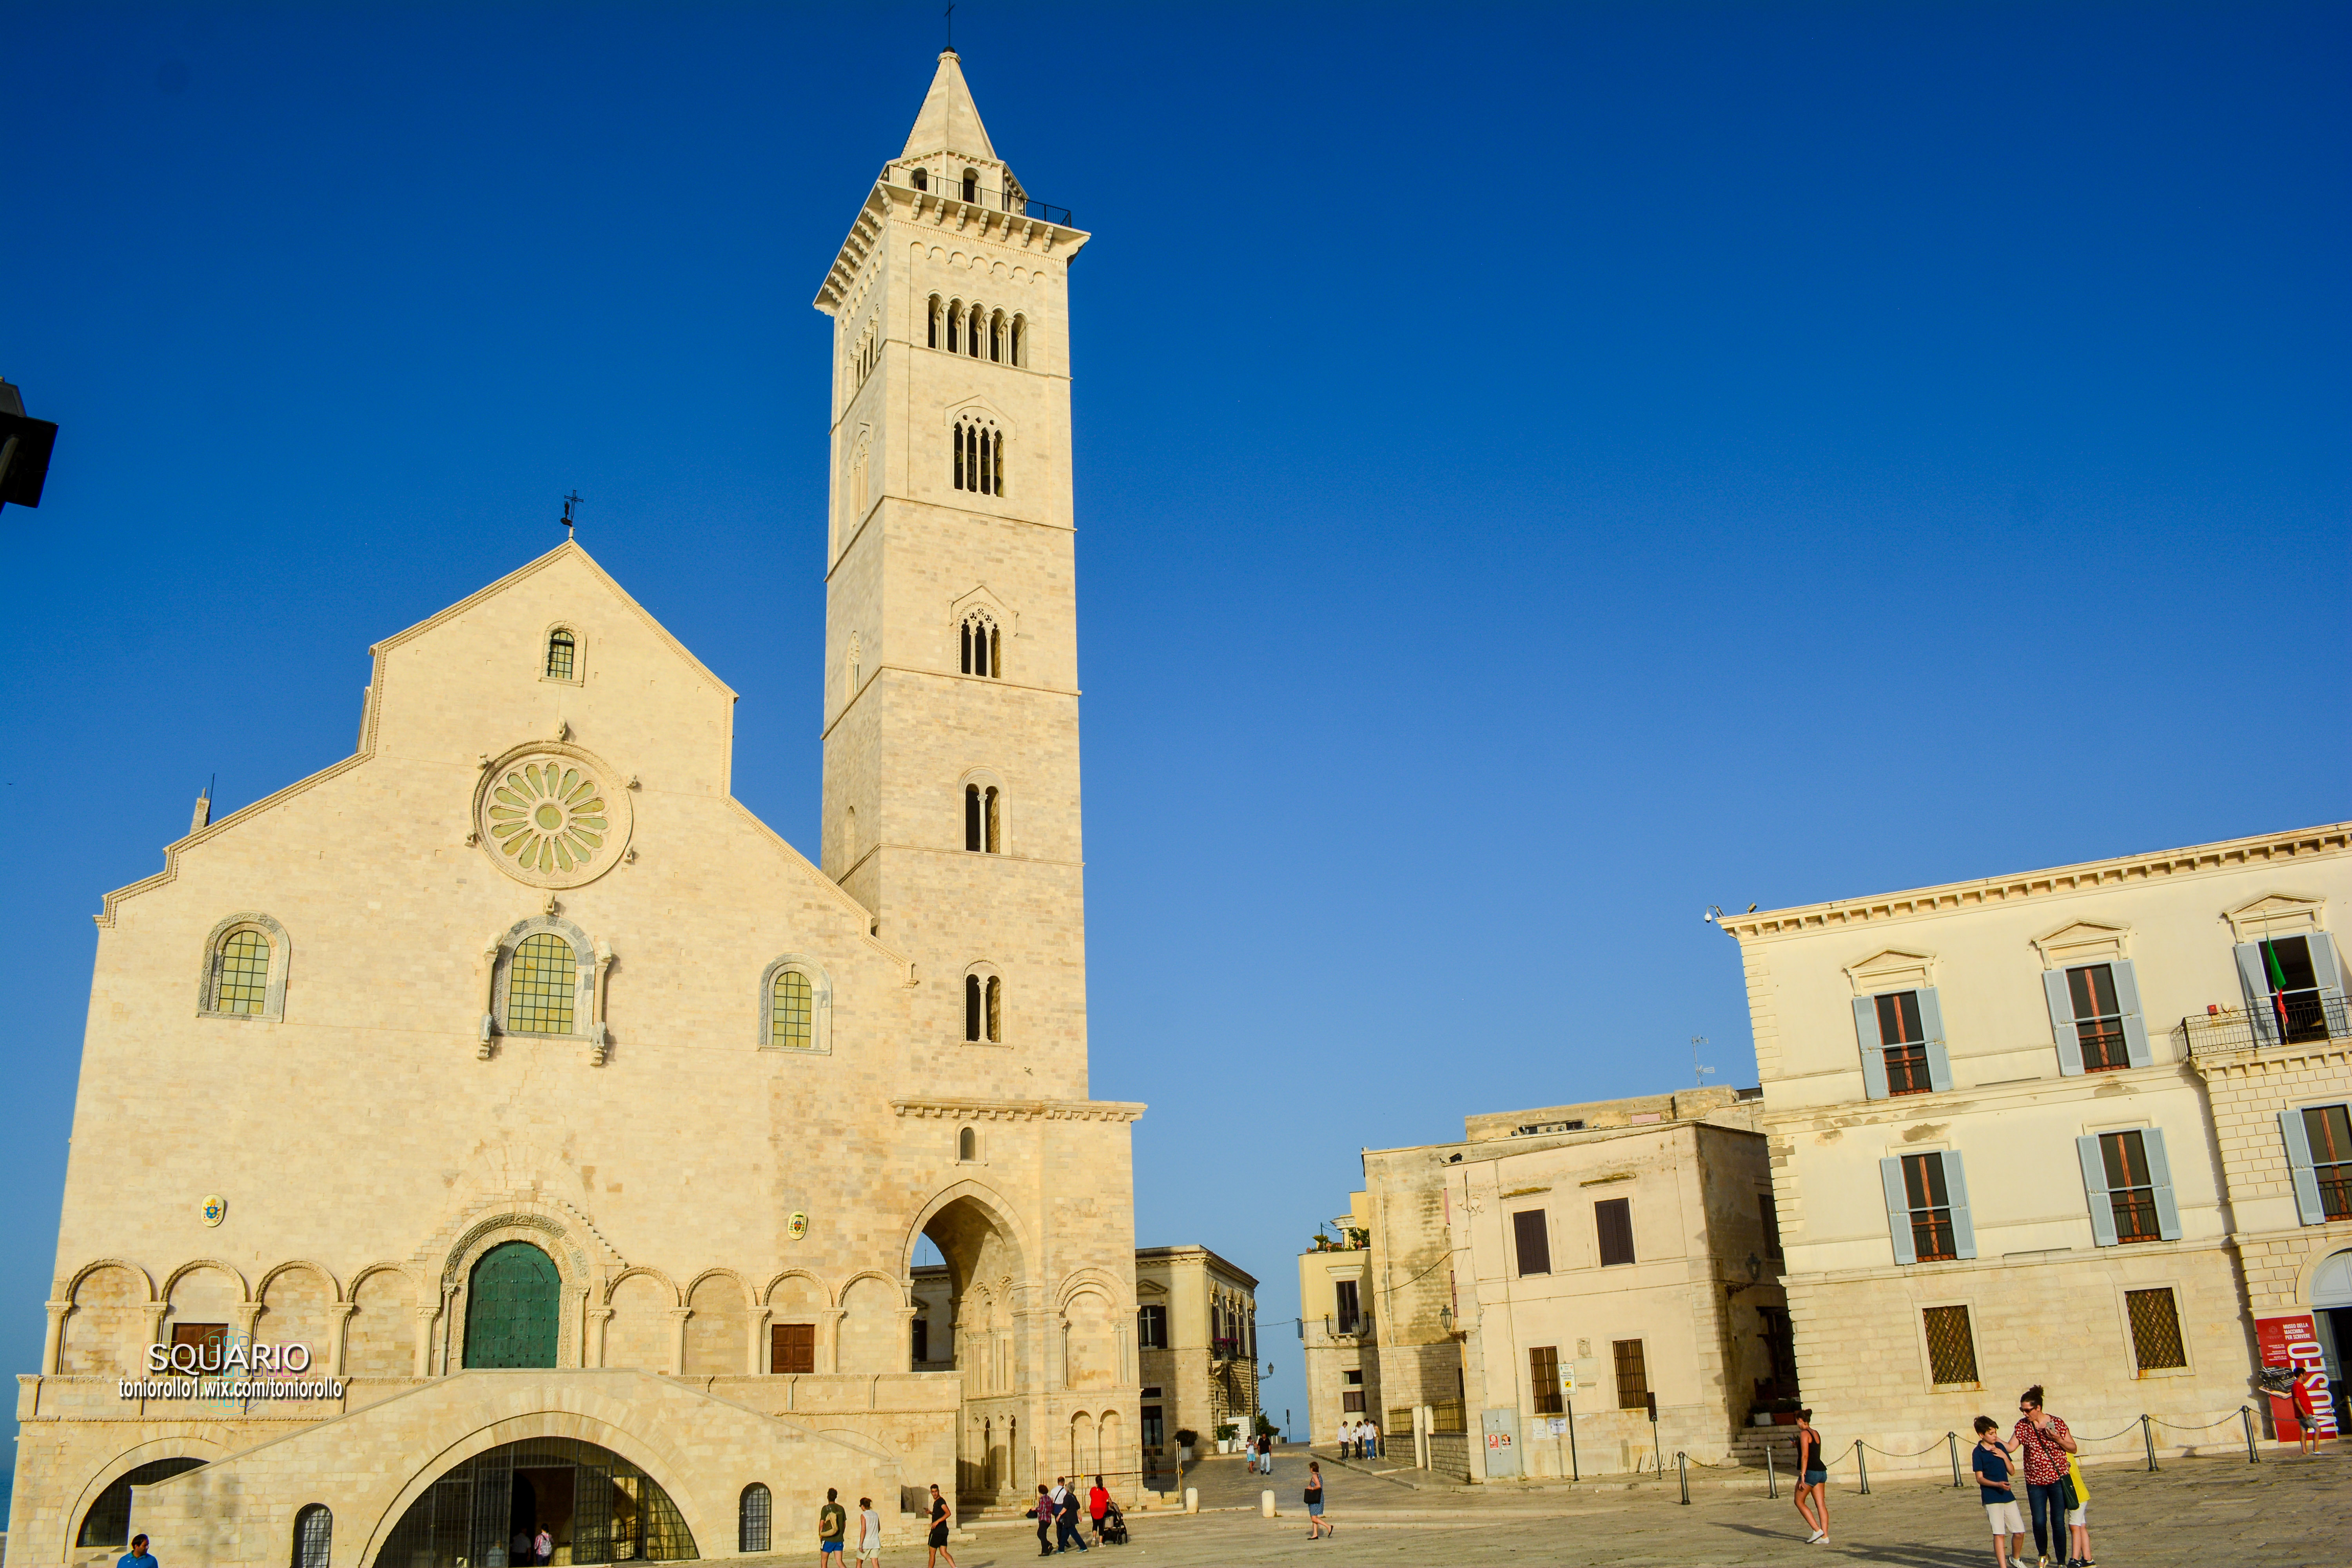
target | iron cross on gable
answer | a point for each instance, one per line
(569, 520)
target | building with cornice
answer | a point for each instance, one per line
(529, 1137)
(2082, 1126)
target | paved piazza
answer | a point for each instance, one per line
(2281, 1513)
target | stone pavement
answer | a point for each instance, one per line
(2281, 1513)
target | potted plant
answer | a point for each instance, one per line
(1186, 1440)
(1227, 1433)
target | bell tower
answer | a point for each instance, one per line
(951, 690)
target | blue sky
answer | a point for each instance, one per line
(1539, 472)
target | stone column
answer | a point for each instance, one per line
(338, 1330)
(678, 1317)
(828, 1348)
(53, 1340)
(599, 1320)
(756, 1353)
(243, 1315)
(426, 1317)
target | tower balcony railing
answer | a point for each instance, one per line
(2289, 1018)
(1010, 200)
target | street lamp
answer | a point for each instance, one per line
(24, 450)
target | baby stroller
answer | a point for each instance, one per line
(1114, 1527)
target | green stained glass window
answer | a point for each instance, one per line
(540, 987)
(788, 1024)
(244, 983)
(559, 656)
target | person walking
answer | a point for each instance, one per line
(1044, 1514)
(869, 1533)
(138, 1556)
(1066, 1516)
(1098, 1505)
(2305, 1417)
(1989, 1460)
(542, 1546)
(1813, 1481)
(2078, 1528)
(1346, 1426)
(939, 1537)
(2043, 1443)
(832, 1523)
(1317, 1525)
(1266, 1453)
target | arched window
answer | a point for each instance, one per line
(541, 986)
(983, 651)
(973, 1003)
(245, 969)
(983, 819)
(996, 336)
(975, 339)
(314, 1534)
(978, 457)
(755, 1512)
(922, 180)
(971, 184)
(560, 648)
(934, 314)
(790, 1011)
(968, 1145)
(995, 1009)
(955, 322)
(1016, 350)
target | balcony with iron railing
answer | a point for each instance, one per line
(2287, 1018)
(1010, 199)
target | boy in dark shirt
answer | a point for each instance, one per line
(1989, 1460)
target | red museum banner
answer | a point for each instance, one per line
(2291, 1342)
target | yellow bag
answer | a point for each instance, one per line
(2074, 1471)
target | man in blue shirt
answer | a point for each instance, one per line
(136, 1557)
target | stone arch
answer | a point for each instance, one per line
(297, 1300)
(1109, 1434)
(640, 1332)
(172, 1280)
(1090, 1340)
(718, 1334)
(874, 1308)
(111, 1323)
(2328, 1272)
(775, 1295)
(1091, 1278)
(261, 1286)
(177, 1447)
(95, 1264)
(1084, 1455)
(381, 1339)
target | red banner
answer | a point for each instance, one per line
(2292, 1342)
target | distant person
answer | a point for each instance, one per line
(542, 1546)
(1266, 1453)
(1316, 1523)
(2078, 1527)
(2043, 1443)
(1066, 1516)
(138, 1556)
(1989, 1460)
(869, 1533)
(1345, 1427)
(832, 1523)
(1372, 1439)
(1813, 1481)
(518, 1550)
(1098, 1505)
(941, 1515)
(1044, 1514)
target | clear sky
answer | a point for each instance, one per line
(1540, 472)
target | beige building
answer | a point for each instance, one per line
(2081, 1126)
(1626, 1245)
(533, 1136)
(1196, 1342)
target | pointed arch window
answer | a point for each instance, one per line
(984, 646)
(979, 456)
(983, 1009)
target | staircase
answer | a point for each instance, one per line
(1747, 1447)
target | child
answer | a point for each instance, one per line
(2078, 1531)
(1989, 1460)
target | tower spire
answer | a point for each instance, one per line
(948, 121)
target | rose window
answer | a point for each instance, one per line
(549, 818)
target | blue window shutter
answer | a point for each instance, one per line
(2061, 1023)
(1873, 1054)
(2159, 1171)
(2307, 1207)
(1898, 1208)
(2095, 1186)
(2135, 1027)
(2328, 967)
(1956, 1186)
(1931, 1024)
(2255, 976)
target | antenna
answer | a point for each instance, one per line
(1699, 1073)
(569, 520)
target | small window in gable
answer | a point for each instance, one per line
(561, 647)
(968, 1145)
(245, 969)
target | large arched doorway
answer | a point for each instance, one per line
(964, 1303)
(108, 1522)
(512, 1308)
(595, 1506)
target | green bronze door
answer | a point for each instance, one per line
(511, 1308)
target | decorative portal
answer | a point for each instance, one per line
(552, 816)
(511, 1309)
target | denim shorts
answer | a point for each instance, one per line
(1817, 1477)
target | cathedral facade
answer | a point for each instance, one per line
(504, 1130)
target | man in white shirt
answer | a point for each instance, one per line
(869, 1533)
(1371, 1435)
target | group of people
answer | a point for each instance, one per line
(1056, 1512)
(832, 1530)
(2039, 1452)
(1360, 1439)
(527, 1548)
(1260, 1450)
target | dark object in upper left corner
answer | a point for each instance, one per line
(25, 446)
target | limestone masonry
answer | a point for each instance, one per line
(478, 1073)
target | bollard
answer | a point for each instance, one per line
(2248, 1418)
(1681, 1469)
(1265, 1504)
(1862, 1463)
(2147, 1436)
(1953, 1440)
(1771, 1475)
(1192, 1499)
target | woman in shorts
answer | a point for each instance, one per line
(1813, 1481)
(1316, 1525)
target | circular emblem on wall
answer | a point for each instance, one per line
(551, 815)
(798, 1226)
(215, 1209)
